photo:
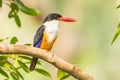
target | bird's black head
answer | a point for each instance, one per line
(52, 16)
(56, 16)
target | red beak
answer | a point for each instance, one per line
(66, 19)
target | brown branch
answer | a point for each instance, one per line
(47, 56)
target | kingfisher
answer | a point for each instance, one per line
(46, 34)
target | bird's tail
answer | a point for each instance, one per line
(33, 63)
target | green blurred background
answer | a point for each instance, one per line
(86, 43)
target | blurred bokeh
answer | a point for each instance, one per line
(86, 43)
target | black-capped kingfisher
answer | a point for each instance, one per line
(47, 34)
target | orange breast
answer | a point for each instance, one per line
(45, 44)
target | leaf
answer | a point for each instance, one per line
(61, 75)
(0, 3)
(115, 37)
(24, 66)
(30, 11)
(1, 40)
(10, 14)
(43, 72)
(2, 72)
(17, 20)
(118, 7)
(15, 69)
(38, 62)
(28, 44)
(14, 40)
(27, 10)
(14, 76)
(19, 74)
(6, 79)
(13, 13)
(116, 34)
(119, 26)
(14, 7)
(26, 57)
(65, 76)
(3, 60)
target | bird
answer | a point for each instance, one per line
(46, 34)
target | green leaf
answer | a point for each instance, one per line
(26, 57)
(15, 69)
(19, 74)
(3, 60)
(27, 10)
(14, 40)
(7, 79)
(38, 62)
(65, 76)
(28, 44)
(43, 72)
(61, 75)
(2, 72)
(14, 15)
(17, 20)
(30, 11)
(115, 37)
(1, 40)
(10, 14)
(118, 7)
(14, 7)
(116, 34)
(0, 3)
(14, 76)
(24, 66)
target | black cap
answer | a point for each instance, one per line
(52, 16)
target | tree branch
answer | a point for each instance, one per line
(47, 56)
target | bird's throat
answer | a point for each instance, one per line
(51, 29)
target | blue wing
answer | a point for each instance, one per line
(38, 36)
(38, 44)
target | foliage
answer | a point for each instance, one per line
(118, 30)
(2, 72)
(41, 71)
(61, 75)
(14, 40)
(16, 6)
(1, 40)
(0, 3)
(27, 10)
(10, 65)
(116, 34)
